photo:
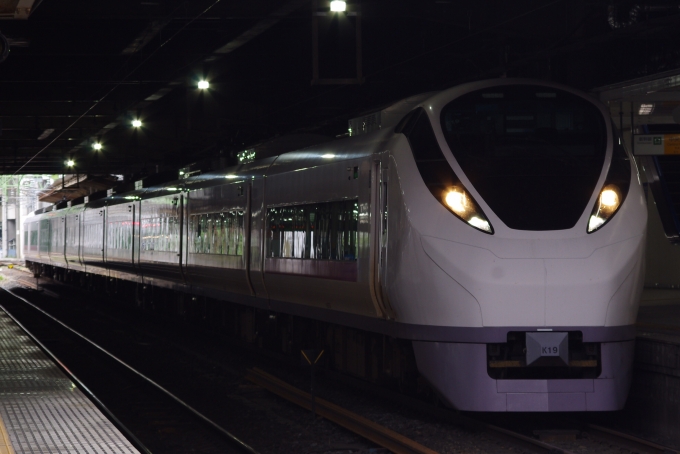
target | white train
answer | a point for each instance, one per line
(496, 228)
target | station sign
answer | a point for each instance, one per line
(657, 144)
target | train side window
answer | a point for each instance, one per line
(217, 233)
(321, 231)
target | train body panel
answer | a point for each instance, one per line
(217, 237)
(493, 215)
(73, 236)
(92, 250)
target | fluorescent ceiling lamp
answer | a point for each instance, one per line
(231, 177)
(203, 84)
(646, 109)
(70, 163)
(328, 156)
(137, 123)
(45, 134)
(338, 6)
(97, 146)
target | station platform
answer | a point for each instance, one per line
(41, 409)
(653, 406)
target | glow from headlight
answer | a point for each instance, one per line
(594, 223)
(480, 223)
(609, 198)
(457, 201)
(607, 204)
(464, 206)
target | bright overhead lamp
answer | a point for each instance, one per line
(97, 146)
(338, 6)
(136, 123)
(203, 84)
(328, 156)
(70, 163)
(45, 134)
(646, 109)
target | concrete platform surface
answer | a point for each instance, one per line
(41, 409)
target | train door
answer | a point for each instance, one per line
(379, 232)
(247, 230)
(180, 201)
(256, 237)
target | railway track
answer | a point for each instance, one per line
(160, 410)
(398, 443)
(627, 441)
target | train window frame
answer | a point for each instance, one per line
(298, 222)
(219, 233)
(549, 149)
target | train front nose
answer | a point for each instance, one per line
(562, 285)
(556, 331)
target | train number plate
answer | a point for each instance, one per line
(547, 344)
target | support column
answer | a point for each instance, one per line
(20, 228)
(4, 219)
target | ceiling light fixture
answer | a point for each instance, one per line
(70, 163)
(45, 134)
(203, 84)
(646, 109)
(136, 123)
(338, 6)
(97, 146)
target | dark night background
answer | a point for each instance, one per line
(90, 67)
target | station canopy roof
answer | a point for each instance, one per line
(79, 72)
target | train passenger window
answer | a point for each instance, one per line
(45, 236)
(160, 234)
(321, 231)
(217, 233)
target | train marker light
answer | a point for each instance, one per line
(480, 223)
(338, 6)
(136, 123)
(203, 84)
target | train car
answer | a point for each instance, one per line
(496, 228)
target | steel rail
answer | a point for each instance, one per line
(628, 441)
(376, 433)
(368, 429)
(122, 427)
(241, 444)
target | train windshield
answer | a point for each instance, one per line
(533, 153)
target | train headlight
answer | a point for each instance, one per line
(463, 205)
(607, 204)
(456, 199)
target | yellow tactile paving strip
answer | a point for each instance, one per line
(5, 443)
